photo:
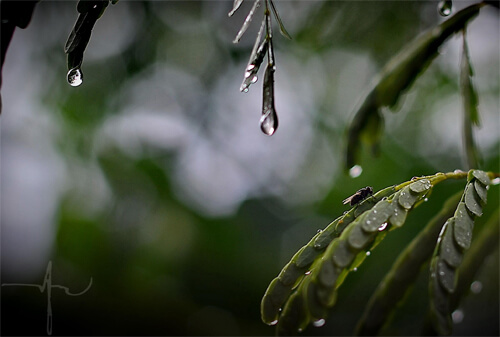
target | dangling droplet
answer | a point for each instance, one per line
(269, 122)
(457, 316)
(476, 287)
(75, 77)
(355, 171)
(444, 7)
(274, 322)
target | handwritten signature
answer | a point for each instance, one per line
(47, 286)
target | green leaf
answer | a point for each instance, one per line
(256, 57)
(328, 273)
(90, 12)
(247, 21)
(398, 74)
(343, 256)
(450, 253)
(469, 94)
(278, 19)
(463, 225)
(295, 316)
(236, 5)
(472, 200)
(470, 102)
(482, 177)
(481, 190)
(276, 295)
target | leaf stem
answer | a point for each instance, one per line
(440, 176)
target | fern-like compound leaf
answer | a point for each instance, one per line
(307, 287)
(403, 273)
(454, 240)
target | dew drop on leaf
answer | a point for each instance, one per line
(75, 77)
(319, 323)
(368, 253)
(355, 171)
(444, 7)
(495, 181)
(382, 227)
(274, 322)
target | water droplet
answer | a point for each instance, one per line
(299, 329)
(250, 67)
(307, 272)
(269, 122)
(245, 89)
(355, 269)
(274, 322)
(355, 171)
(426, 199)
(382, 227)
(320, 231)
(319, 323)
(368, 222)
(444, 7)
(476, 287)
(495, 181)
(254, 79)
(458, 171)
(75, 77)
(368, 253)
(457, 316)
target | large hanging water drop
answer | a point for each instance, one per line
(269, 122)
(269, 119)
(444, 7)
(75, 77)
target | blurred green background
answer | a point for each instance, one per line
(154, 179)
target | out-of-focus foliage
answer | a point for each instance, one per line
(154, 179)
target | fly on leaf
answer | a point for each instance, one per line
(359, 196)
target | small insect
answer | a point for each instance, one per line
(359, 196)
